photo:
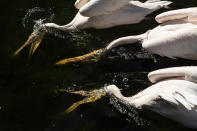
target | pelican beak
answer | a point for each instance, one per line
(93, 56)
(34, 39)
(91, 96)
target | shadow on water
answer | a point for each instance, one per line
(29, 99)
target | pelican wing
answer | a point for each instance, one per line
(170, 94)
(174, 99)
(178, 43)
(99, 7)
(183, 92)
(168, 73)
(188, 73)
(187, 13)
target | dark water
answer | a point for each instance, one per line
(29, 99)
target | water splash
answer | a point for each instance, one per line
(123, 53)
(81, 38)
(37, 16)
(121, 79)
(38, 23)
(38, 31)
(129, 111)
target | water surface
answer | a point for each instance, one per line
(29, 99)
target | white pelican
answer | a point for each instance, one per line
(176, 36)
(173, 96)
(131, 13)
(99, 14)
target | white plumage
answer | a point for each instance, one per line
(99, 14)
(176, 36)
(172, 97)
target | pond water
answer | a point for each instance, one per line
(29, 97)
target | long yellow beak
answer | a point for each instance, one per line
(34, 39)
(91, 96)
(93, 56)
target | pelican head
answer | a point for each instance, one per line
(38, 34)
(112, 89)
(115, 91)
(96, 55)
